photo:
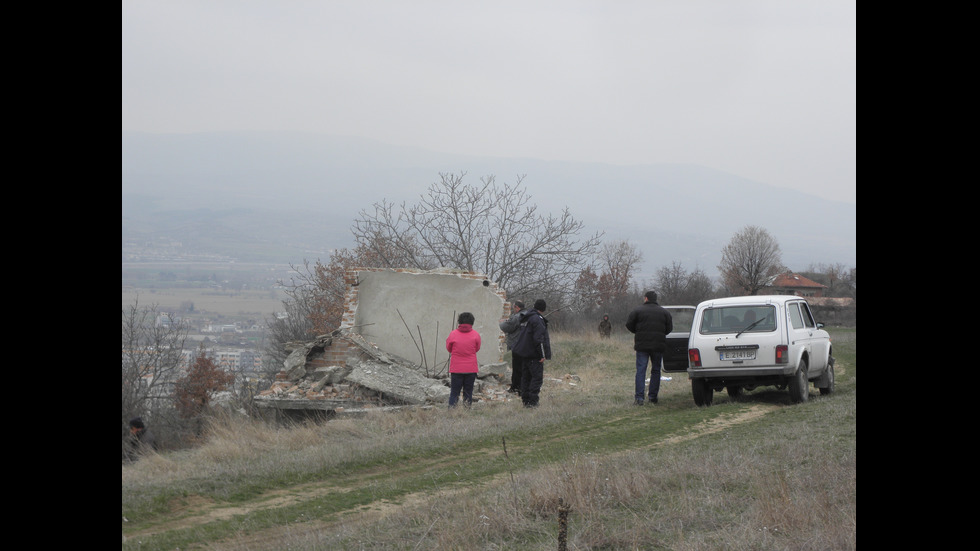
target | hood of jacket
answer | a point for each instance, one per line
(465, 327)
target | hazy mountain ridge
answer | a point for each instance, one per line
(301, 192)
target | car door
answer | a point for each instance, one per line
(802, 333)
(675, 356)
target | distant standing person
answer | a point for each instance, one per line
(605, 328)
(141, 440)
(511, 327)
(649, 323)
(534, 345)
(463, 343)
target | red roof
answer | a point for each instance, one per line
(795, 280)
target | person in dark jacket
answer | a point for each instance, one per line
(141, 440)
(535, 347)
(511, 327)
(605, 328)
(649, 323)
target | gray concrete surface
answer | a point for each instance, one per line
(411, 314)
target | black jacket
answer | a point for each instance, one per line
(650, 323)
(534, 341)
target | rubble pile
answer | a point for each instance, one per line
(372, 378)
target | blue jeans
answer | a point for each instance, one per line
(642, 359)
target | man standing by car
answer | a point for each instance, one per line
(649, 323)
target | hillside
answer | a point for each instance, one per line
(759, 473)
(282, 197)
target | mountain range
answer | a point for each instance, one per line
(285, 197)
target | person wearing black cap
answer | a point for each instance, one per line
(141, 440)
(511, 327)
(534, 345)
(649, 323)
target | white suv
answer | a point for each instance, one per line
(740, 343)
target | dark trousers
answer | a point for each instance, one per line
(532, 377)
(654, 359)
(516, 368)
(461, 382)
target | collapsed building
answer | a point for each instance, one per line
(390, 349)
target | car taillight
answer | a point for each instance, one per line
(781, 356)
(694, 355)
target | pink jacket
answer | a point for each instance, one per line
(463, 343)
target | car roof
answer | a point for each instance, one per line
(749, 299)
(679, 306)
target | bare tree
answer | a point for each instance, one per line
(750, 260)
(152, 343)
(293, 323)
(618, 261)
(837, 277)
(586, 291)
(488, 228)
(675, 285)
(316, 293)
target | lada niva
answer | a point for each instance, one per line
(740, 343)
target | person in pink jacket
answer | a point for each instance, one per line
(463, 343)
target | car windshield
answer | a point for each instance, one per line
(682, 318)
(733, 319)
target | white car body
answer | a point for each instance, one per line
(740, 343)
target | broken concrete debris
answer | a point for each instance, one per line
(369, 378)
(411, 312)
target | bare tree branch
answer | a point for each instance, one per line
(487, 228)
(152, 343)
(749, 260)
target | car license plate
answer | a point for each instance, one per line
(738, 355)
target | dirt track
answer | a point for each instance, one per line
(193, 511)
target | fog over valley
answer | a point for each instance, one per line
(256, 133)
(283, 197)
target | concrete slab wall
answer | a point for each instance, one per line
(410, 313)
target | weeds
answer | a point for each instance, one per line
(755, 474)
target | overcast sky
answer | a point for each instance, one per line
(765, 89)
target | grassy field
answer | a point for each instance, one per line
(755, 474)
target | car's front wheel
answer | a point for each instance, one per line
(799, 386)
(703, 393)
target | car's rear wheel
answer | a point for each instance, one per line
(828, 379)
(702, 391)
(799, 386)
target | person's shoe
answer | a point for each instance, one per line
(638, 403)
(653, 399)
(514, 390)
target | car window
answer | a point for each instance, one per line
(807, 316)
(794, 315)
(682, 319)
(732, 319)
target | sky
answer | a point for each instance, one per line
(764, 89)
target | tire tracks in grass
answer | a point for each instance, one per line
(369, 491)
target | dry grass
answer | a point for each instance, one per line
(784, 480)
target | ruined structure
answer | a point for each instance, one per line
(390, 349)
